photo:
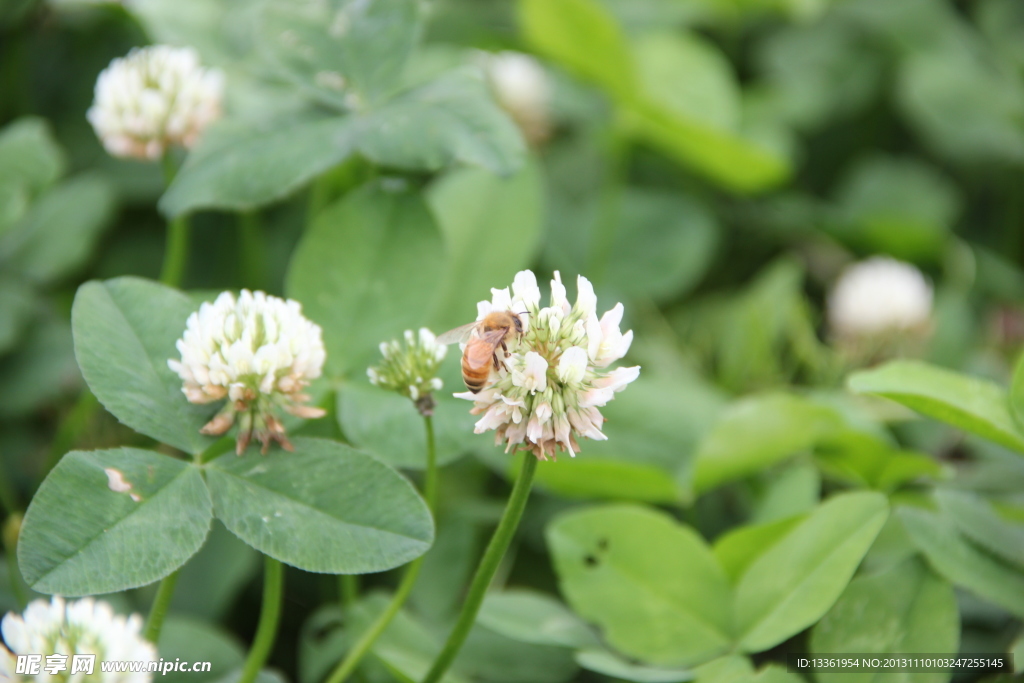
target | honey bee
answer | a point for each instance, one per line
(482, 340)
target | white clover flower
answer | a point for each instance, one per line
(411, 370)
(82, 627)
(879, 296)
(154, 98)
(259, 352)
(523, 89)
(548, 389)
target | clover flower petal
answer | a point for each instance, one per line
(549, 388)
(154, 98)
(258, 351)
(81, 627)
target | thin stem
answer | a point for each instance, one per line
(252, 248)
(176, 250)
(485, 571)
(266, 631)
(606, 231)
(370, 636)
(348, 589)
(161, 604)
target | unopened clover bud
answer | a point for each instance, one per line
(523, 89)
(410, 368)
(257, 351)
(879, 304)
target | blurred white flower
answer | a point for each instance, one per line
(411, 370)
(258, 351)
(82, 627)
(154, 98)
(523, 89)
(879, 296)
(547, 391)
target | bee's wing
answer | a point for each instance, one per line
(459, 335)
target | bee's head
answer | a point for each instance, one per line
(517, 322)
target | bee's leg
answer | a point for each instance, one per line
(505, 349)
(494, 357)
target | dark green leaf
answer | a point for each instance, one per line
(61, 230)
(386, 424)
(897, 206)
(211, 581)
(195, 641)
(17, 306)
(474, 207)
(324, 508)
(604, 662)
(532, 617)
(241, 168)
(344, 52)
(29, 155)
(960, 561)
(976, 519)
(664, 244)
(106, 521)
(366, 271)
(125, 331)
(450, 119)
(903, 610)
(42, 369)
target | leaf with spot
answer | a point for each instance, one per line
(125, 331)
(106, 521)
(651, 584)
(340, 50)
(323, 508)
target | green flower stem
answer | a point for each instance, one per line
(613, 189)
(348, 589)
(485, 571)
(369, 637)
(266, 631)
(161, 604)
(176, 251)
(252, 248)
